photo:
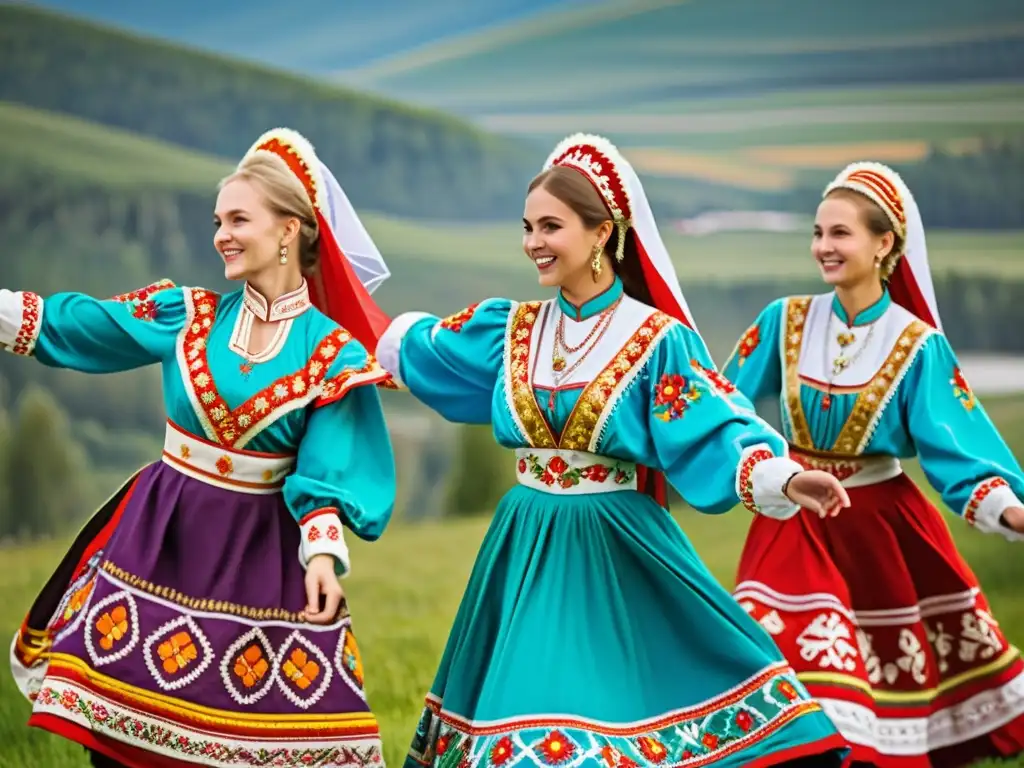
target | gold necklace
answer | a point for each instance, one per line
(558, 361)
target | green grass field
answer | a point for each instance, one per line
(405, 589)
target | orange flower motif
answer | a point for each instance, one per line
(652, 749)
(225, 466)
(709, 740)
(352, 659)
(77, 601)
(177, 653)
(300, 669)
(113, 626)
(556, 748)
(251, 666)
(788, 690)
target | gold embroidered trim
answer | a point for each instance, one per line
(876, 395)
(206, 604)
(580, 426)
(524, 400)
(796, 317)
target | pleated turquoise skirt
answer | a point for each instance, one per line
(591, 634)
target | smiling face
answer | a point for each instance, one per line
(564, 221)
(850, 242)
(248, 236)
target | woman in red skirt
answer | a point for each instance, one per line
(881, 617)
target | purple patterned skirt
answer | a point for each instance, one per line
(169, 635)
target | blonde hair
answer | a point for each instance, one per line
(285, 196)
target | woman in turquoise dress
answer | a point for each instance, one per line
(881, 617)
(590, 633)
(198, 619)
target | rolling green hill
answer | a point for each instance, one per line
(740, 92)
(402, 160)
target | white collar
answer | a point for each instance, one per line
(285, 307)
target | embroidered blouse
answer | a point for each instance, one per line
(647, 394)
(900, 393)
(305, 395)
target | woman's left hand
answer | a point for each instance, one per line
(819, 492)
(1013, 518)
(321, 580)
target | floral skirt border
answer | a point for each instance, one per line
(689, 738)
(68, 695)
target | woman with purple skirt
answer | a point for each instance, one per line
(198, 618)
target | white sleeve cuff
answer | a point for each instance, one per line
(759, 481)
(323, 534)
(21, 319)
(389, 346)
(989, 499)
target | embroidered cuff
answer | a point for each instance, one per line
(390, 345)
(21, 319)
(322, 534)
(336, 388)
(759, 480)
(985, 506)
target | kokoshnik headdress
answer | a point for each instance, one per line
(350, 266)
(910, 283)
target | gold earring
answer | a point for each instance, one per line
(284, 254)
(595, 261)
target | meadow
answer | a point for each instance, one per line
(405, 588)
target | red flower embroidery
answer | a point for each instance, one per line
(744, 721)
(709, 740)
(28, 332)
(981, 491)
(962, 390)
(557, 465)
(556, 748)
(748, 343)
(442, 744)
(314, 534)
(615, 759)
(522, 466)
(596, 472)
(459, 319)
(502, 751)
(333, 533)
(746, 478)
(673, 396)
(717, 379)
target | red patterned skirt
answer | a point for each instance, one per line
(886, 625)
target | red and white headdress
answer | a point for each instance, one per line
(617, 183)
(351, 267)
(620, 188)
(910, 283)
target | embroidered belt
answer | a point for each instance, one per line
(230, 468)
(851, 471)
(573, 472)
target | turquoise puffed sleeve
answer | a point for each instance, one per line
(708, 440)
(75, 331)
(755, 366)
(960, 450)
(450, 365)
(345, 468)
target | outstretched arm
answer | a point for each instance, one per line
(75, 331)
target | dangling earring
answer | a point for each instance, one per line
(284, 254)
(595, 261)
